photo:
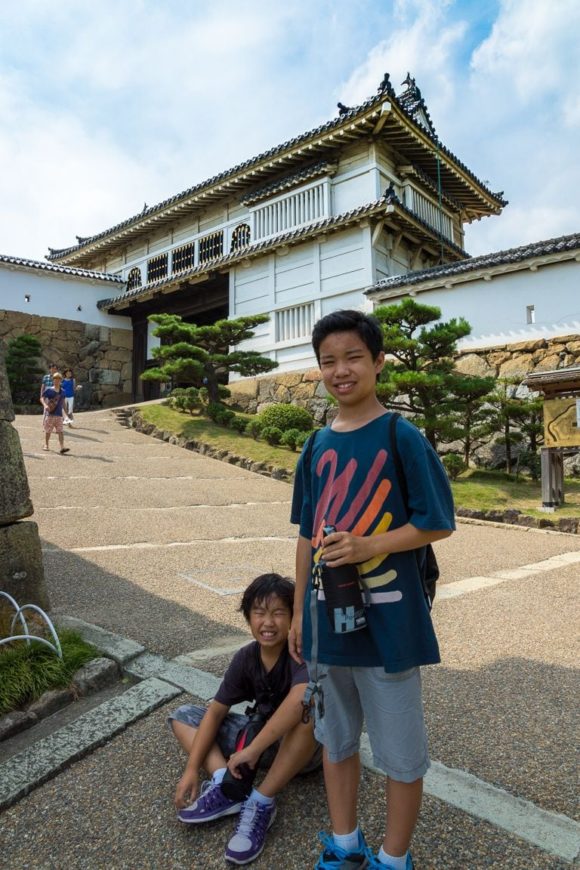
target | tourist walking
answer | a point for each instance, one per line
(47, 379)
(53, 399)
(69, 386)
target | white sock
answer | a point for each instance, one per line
(260, 798)
(348, 842)
(218, 775)
(392, 861)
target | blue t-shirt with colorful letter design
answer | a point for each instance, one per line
(353, 486)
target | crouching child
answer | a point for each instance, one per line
(264, 674)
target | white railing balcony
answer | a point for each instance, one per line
(428, 211)
(292, 211)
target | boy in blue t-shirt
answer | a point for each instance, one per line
(350, 483)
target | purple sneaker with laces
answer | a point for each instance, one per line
(211, 804)
(250, 835)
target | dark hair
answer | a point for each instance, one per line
(52, 366)
(263, 588)
(68, 369)
(366, 327)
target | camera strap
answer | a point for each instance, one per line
(314, 693)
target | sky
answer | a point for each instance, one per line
(107, 106)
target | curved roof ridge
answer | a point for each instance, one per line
(63, 270)
(385, 92)
(494, 258)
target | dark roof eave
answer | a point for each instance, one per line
(72, 271)
(383, 207)
(356, 114)
(439, 274)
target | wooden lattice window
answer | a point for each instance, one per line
(240, 237)
(183, 258)
(211, 246)
(134, 278)
(157, 268)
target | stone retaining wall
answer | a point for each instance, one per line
(100, 356)
(502, 361)
(522, 358)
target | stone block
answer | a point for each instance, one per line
(304, 391)
(312, 375)
(548, 363)
(122, 338)
(288, 379)
(6, 409)
(116, 399)
(21, 568)
(474, 364)
(15, 501)
(15, 722)
(95, 675)
(104, 376)
(529, 345)
(517, 366)
(50, 702)
(573, 346)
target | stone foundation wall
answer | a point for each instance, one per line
(502, 361)
(522, 358)
(100, 356)
(302, 388)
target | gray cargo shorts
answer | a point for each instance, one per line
(392, 709)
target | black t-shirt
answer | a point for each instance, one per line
(246, 679)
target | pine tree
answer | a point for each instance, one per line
(469, 413)
(23, 369)
(506, 414)
(202, 355)
(419, 377)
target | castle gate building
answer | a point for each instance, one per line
(296, 232)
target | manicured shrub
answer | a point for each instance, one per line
(238, 424)
(214, 411)
(272, 434)
(301, 439)
(290, 438)
(185, 399)
(453, 464)
(285, 417)
(254, 428)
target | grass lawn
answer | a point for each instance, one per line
(28, 671)
(475, 489)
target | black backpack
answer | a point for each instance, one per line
(426, 559)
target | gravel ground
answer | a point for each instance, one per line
(500, 706)
(114, 809)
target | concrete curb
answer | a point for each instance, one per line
(30, 768)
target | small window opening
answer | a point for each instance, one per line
(530, 314)
(27, 297)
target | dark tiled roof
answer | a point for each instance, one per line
(63, 270)
(472, 264)
(322, 167)
(385, 92)
(257, 248)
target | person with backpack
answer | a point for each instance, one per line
(364, 658)
(53, 399)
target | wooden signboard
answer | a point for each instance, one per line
(562, 422)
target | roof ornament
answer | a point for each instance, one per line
(145, 207)
(415, 93)
(390, 193)
(343, 110)
(386, 86)
(82, 239)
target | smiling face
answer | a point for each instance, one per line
(348, 369)
(270, 623)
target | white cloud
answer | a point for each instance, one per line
(106, 105)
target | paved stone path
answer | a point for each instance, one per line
(153, 543)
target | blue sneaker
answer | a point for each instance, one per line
(335, 858)
(250, 835)
(211, 804)
(375, 864)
